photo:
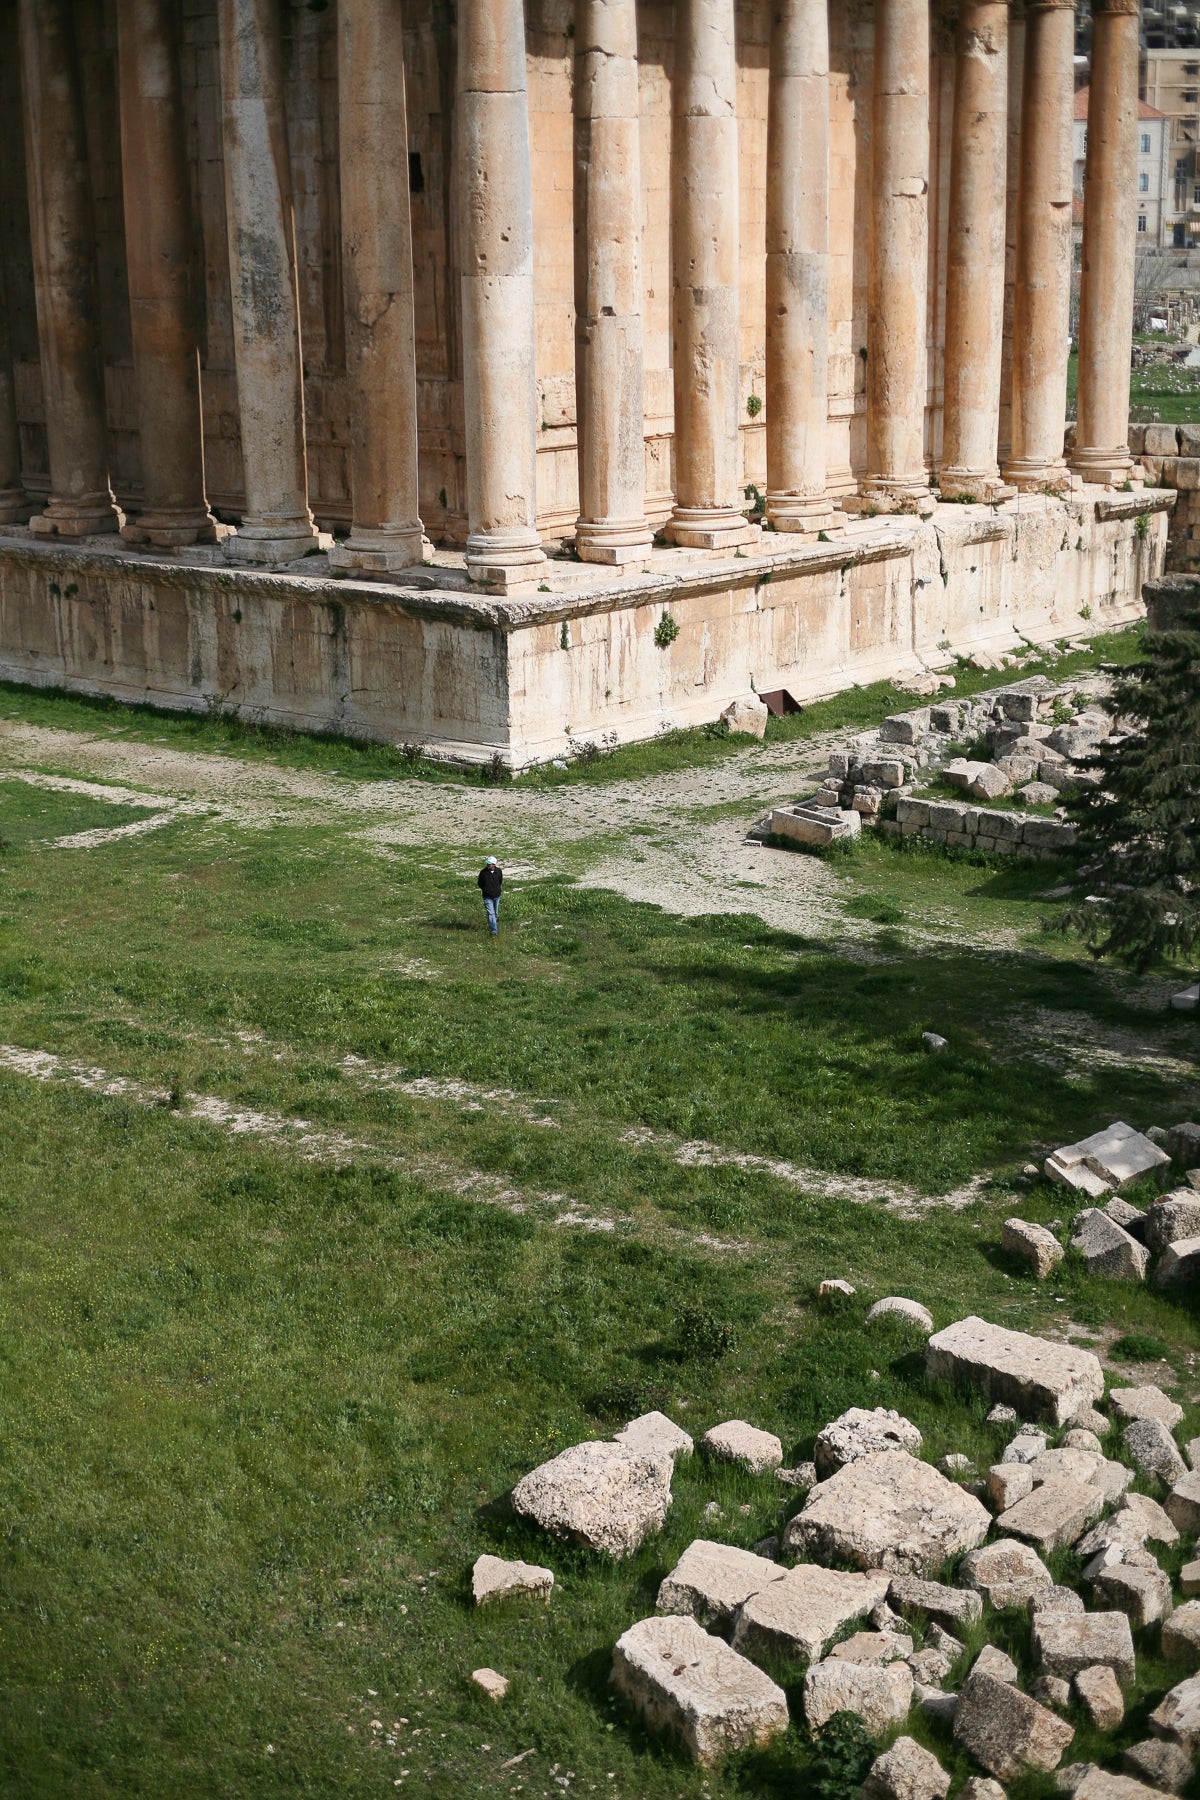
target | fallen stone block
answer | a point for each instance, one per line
(1118, 1154)
(1189, 1577)
(1026, 1447)
(1007, 1483)
(1147, 1402)
(493, 1578)
(1078, 1438)
(1099, 1693)
(1056, 1600)
(818, 826)
(737, 1442)
(981, 1787)
(747, 717)
(1153, 1450)
(1054, 1514)
(888, 1511)
(1143, 1594)
(495, 1686)
(1165, 1766)
(988, 782)
(1065, 1643)
(1036, 793)
(835, 1289)
(1066, 1464)
(905, 728)
(1182, 1504)
(1183, 1145)
(1152, 1520)
(1041, 1379)
(1002, 1415)
(930, 1666)
(1051, 1690)
(1179, 1264)
(653, 1434)
(1088, 1419)
(935, 1703)
(693, 1686)
(885, 771)
(896, 1306)
(906, 1772)
(1181, 1634)
(945, 1641)
(802, 1477)
(803, 1610)
(947, 1605)
(1174, 1217)
(1079, 1178)
(880, 1694)
(1130, 1218)
(1177, 1715)
(1006, 1731)
(600, 1495)
(1033, 1244)
(956, 1466)
(1106, 1249)
(1005, 1573)
(873, 1647)
(710, 1581)
(1187, 999)
(992, 1661)
(859, 1432)
(1088, 1781)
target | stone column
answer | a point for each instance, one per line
(1042, 285)
(378, 276)
(158, 253)
(798, 269)
(975, 256)
(14, 502)
(704, 276)
(609, 397)
(897, 260)
(64, 265)
(277, 525)
(499, 385)
(1109, 246)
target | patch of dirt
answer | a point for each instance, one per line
(1074, 1045)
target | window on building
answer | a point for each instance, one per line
(1141, 222)
(1145, 143)
(1196, 193)
(1181, 168)
(1191, 68)
(1143, 184)
(1190, 96)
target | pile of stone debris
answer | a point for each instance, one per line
(851, 1586)
(1036, 735)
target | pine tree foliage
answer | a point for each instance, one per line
(1139, 825)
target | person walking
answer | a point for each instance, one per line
(491, 880)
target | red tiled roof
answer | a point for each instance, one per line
(1081, 106)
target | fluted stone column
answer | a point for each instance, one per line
(975, 256)
(64, 264)
(158, 254)
(378, 278)
(14, 502)
(798, 269)
(609, 389)
(1042, 286)
(704, 277)
(1109, 247)
(277, 524)
(499, 385)
(897, 259)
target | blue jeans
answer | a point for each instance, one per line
(493, 914)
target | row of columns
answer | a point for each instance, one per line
(496, 232)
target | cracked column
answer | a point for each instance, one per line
(1109, 247)
(610, 401)
(975, 256)
(64, 263)
(378, 276)
(277, 525)
(158, 251)
(499, 384)
(898, 261)
(704, 275)
(1042, 282)
(798, 269)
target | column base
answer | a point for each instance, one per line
(805, 515)
(982, 486)
(272, 541)
(1029, 476)
(88, 517)
(880, 495)
(380, 552)
(1103, 468)
(506, 563)
(712, 528)
(614, 543)
(169, 529)
(15, 506)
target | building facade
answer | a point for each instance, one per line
(1156, 187)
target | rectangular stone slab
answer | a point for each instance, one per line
(1041, 1379)
(710, 1581)
(1006, 1731)
(1065, 1643)
(689, 1684)
(800, 1613)
(1054, 1515)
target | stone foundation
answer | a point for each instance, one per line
(429, 661)
(963, 827)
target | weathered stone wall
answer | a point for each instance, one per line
(469, 676)
(990, 828)
(1170, 456)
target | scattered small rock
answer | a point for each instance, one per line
(493, 1578)
(906, 1772)
(958, 1468)
(1006, 1573)
(1000, 1414)
(1099, 1693)
(835, 1288)
(1051, 1690)
(494, 1686)
(803, 1476)
(1147, 1402)
(859, 1433)
(653, 1434)
(600, 1495)
(1181, 1634)
(1009, 1482)
(737, 1442)
(932, 1043)
(1080, 1439)
(1164, 1766)
(1033, 1244)
(1177, 1716)
(992, 1661)
(1026, 1447)
(896, 1305)
(1154, 1451)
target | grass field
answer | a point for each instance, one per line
(325, 1218)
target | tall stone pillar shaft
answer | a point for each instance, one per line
(609, 388)
(14, 503)
(378, 278)
(64, 270)
(798, 269)
(704, 277)
(158, 252)
(499, 382)
(975, 261)
(1042, 285)
(277, 525)
(1109, 246)
(898, 258)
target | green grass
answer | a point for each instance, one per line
(261, 1410)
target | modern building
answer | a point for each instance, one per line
(1156, 187)
(1171, 86)
(526, 276)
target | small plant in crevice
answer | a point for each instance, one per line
(564, 635)
(756, 511)
(753, 405)
(666, 631)
(1141, 525)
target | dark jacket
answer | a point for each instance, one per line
(491, 880)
